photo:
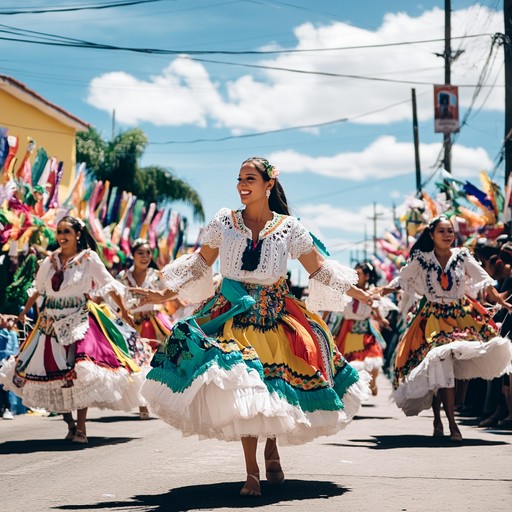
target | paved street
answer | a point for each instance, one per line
(382, 462)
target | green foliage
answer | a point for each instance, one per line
(117, 162)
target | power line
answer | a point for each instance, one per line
(497, 40)
(67, 41)
(55, 40)
(325, 73)
(92, 7)
(279, 130)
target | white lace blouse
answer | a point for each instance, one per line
(65, 314)
(424, 275)
(282, 238)
(153, 281)
(84, 274)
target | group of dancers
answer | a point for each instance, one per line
(252, 362)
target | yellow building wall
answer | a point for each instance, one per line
(25, 121)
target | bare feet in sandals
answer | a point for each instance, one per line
(252, 486)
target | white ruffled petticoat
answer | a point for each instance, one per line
(231, 404)
(93, 387)
(462, 360)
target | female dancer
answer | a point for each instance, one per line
(450, 336)
(151, 322)
(75, 357)
(359, 338)
(253, 361)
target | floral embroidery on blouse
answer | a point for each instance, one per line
(445, 278)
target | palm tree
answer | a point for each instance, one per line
(117, 162)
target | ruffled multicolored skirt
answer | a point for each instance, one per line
(361, 342)
(444, 342)
(256, 364)
(154, 326)
(94, 371)
(141, 352)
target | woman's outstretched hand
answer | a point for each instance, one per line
(152, 296)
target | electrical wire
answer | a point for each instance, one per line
(93, 7)
(498, 40)
(68, 41)
(280, 130)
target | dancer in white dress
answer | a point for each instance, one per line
(450, 336)
(76, 357)
(254, 361)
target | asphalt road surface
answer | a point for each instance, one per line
(382, 461)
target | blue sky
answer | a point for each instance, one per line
(332, 174)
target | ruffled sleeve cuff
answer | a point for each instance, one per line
(111, 286)
(473, 288)
(190, 277)
(328, 287)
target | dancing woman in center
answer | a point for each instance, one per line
(254, 361)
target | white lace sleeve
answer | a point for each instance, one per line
(301, 241)
(409, 279)
(190, 277)
(42, 275)
(212, 235)
(410, 282)
(477, 278)
(104, 282)
(328, 287)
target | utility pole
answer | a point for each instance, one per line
(416, 143)
(365, 247)
(113, 124)
(447, 139)
(507, 48)
(374, 218)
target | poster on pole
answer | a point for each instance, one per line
(446, 108)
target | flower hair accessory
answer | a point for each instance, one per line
(81, 223)
(437, 219)
(272, 171)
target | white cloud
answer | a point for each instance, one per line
(185, 93)
(383, 158)
(343, 230)
(320, 218)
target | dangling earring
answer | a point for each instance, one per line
(267, 193)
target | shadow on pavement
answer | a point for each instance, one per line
(115, 419)
(220, 495)
(58, 445)
(413, 441)
(373, 418)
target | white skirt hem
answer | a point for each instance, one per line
(462, 360)
(231, 404)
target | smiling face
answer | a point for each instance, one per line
(67, 237)
(443, 235)
(142, 257)
(251, 185)
(362, 278)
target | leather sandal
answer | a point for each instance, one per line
(438, 430)
(246, 491)
(71, 433)
(275, 477)
(456, 437)
(80, 437)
